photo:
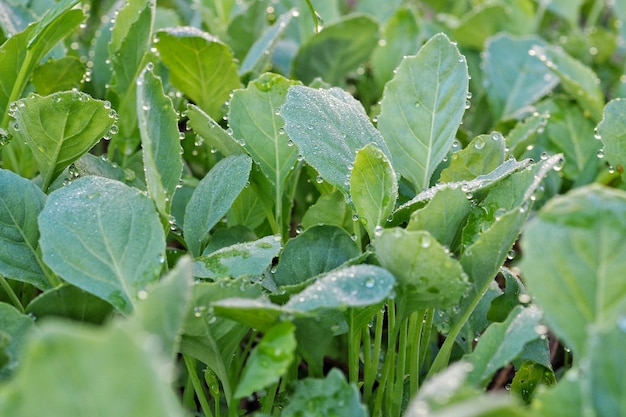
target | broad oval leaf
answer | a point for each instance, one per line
(21, 201)
(337, 49)
(329, 127)
(422, 108)
(318, 249)
(69, 302)
(126, 370)
(514, 79)
(103, 237)
(612, 131)
(160, 141)
(580, 283)
(248, 258)
(60, 128)
(353, 286)
(424, 269)
(212, 198)
(200, 66)
(373, 188)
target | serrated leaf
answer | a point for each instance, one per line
(318, 249)
(612, 130)
(103, 237)
(353, 286)
(241, 259)
(69, 302)
(336, 50)
(22, 52)
(329, 127)
(60, 128)
(269, 360)
(373, 187)
(582, 230)
(426, 273)
(200, 66)
(21, 201)
(16, 326)
(514, 79)
(502, 342)
(212, 198)
(160, 142)
(481, 156)
(422, 108)
(126, 369)
(58, 74)
(212, 133)
(576, 78)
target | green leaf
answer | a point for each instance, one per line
(530, 376)
(373, 188)
(317, 250)
(101, 166)
(502, 305)
(58, 75)
(329, 127)
(160, 141)
(443, 216)
(161, 309)
(21, 53)
(21, 201)
(579, 284)
(60, 128)
(70, 302)
(523, 136)
(212, 133)
(255, 122)
(130, 39)
(242, 259)
(127, 371)
(401, 36)
(568, 9)
(212, 198)
(330, 208)
(200, 66)
(607, 385)
(103, 237)
(481, 156)
(17, 327)
(502, 342)
(612, 130)
(259, 52)
(514, 79)
(353, 286)
(571, 133)
(577, 79)
(247, 26)
(426, 273)
(269, 360)
(422, 108)
(567, 395)
(212, 339)
(256, 313)
(329, 396)
(336, 50)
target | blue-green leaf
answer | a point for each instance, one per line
(422, 108)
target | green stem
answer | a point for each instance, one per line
(594, 13)
(190, 364)
(398, 387)
(416, 320)
(314, 15)
(354, 342)
(371, 369)
(390, 359)
(427, 330)
(268, 400)
(9, 290)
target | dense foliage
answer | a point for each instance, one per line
(312, 207)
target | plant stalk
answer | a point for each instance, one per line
(12, 296)
(190, 364)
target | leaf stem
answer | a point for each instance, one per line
(314, 15)
(9, 290)
(190, 364)
(371, 369)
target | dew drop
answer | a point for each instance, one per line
(320, 180)
(378, 231)
(370, 282)
(479, 143)
(600, 154)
